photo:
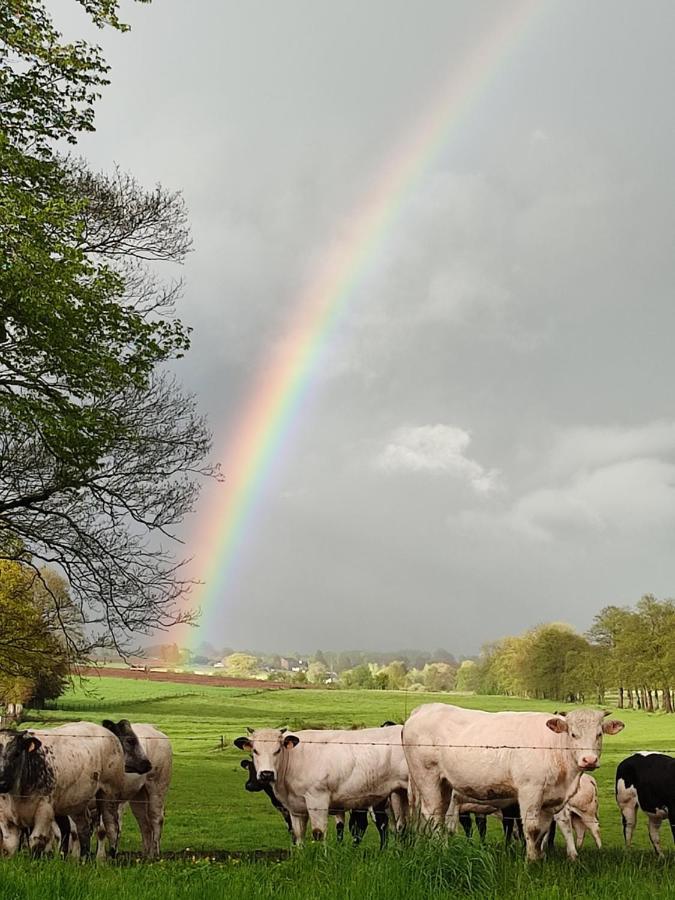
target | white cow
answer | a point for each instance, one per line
(144, 792)
(316, 772)
(58, 772)
(533, 759)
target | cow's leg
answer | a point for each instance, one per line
(299, 823)
(531, 815)
(340, 826)
(358, 823)
(464, 821)
(430, 796)
(627, 800)
(83, 823)
(400, 810)
(672, 822)
(148, 810)
(42, 830)
(481, 826)
(109, 827)
(587, 823)
(140, 808)
(654, 828)
(317, 807)
(564, 820)
(382, 823)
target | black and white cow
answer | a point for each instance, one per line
(646, 780)
(62, 771)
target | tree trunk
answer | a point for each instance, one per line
(638, 697)
(620, 698)
(667, 702)
(630, 698)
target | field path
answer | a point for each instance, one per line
(182, 678)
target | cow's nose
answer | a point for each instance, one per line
(589, 762)
(265, 775)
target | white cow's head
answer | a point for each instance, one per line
(267, 745)
(584, 729)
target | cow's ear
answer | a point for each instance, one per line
(243, 743)
(614, 726)
(250, 730)
(245, 763)
(31, 743)
(110, 726)
(291, 741)
(557, 725)
(387, 724)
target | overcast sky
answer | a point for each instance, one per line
(490, 442)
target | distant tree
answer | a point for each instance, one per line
(359, 677)
(240, 665)
(468, 676)
(439, 676)
(316, 673)
(319, 657)
(393, 676)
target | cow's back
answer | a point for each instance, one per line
(353, 767)
(484, 756)
(157, 748)
(85, 758)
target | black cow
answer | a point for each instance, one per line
(646, 780)
(255, 786)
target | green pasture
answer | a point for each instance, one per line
(209, 812)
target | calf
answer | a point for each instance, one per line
(315, 771)
(646, 780)
(533, 759)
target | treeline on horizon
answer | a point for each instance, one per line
(628, 652)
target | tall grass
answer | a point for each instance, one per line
(423, 870)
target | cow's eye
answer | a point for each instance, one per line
(575, 736)
(255, 752)
(276, 752)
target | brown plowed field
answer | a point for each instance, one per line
(182, 678)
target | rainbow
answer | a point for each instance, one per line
(278, 395)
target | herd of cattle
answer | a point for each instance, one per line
(58, 786)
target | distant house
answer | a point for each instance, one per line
(291, 664)
(218, 665)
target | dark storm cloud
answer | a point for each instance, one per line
(491, 440)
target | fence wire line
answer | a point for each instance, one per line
(441, 746)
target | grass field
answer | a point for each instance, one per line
(209, 812)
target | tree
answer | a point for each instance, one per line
(468, 676)
(317, 672)
(100, 455)
(359, 677)
(34, 661)
(439, 676)
(241, 665)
